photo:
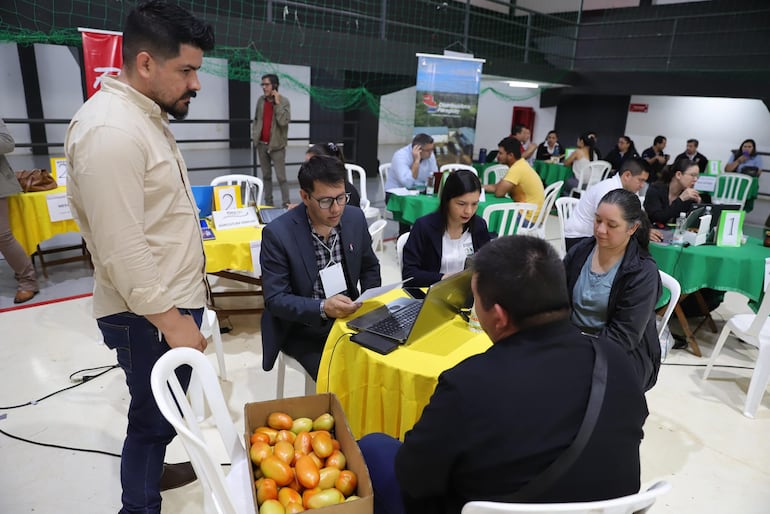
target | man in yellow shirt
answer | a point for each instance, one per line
(522, 181)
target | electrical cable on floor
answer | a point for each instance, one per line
(50, 445)
(703, 365)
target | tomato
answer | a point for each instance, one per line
(327, 477)
(284, 451)
(303, 443)
(260, 436)
(277, 469)
(323, 422)
(347, 482)
(280, 421)
(272, 507)
(267, 490)
(307, 472)
(293, 508)
(307, 494)
(285, 435)
(288, 495)
(271, 433)
(318, 462)
(322, 445)
(294, 484)
(302, 425)
(325, 498)
(336, 460)
(259, 451)
(351, 498)
(335, 444)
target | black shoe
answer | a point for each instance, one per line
(176, 475)
(680, 343)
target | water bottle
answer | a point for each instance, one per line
(556, 150)
(680, 228)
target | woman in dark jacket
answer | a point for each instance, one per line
(440, 242)
(625, 149)
(674, 193)
(615, 282)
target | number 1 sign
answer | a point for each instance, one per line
(730, 231)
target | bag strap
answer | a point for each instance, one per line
(541, 483)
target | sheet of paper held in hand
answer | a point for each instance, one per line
(377, 291)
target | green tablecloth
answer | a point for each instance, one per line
(406, 209)
(740, 269)
(549, 172)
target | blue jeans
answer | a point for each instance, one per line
(379, 451)
(138, 347)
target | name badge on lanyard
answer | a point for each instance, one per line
(468, 249)
(333, 280)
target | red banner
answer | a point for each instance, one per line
(101, 55)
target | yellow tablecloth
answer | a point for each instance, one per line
(30, 221)
(231, 249)
(387, 393)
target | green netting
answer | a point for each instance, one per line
(363, 48)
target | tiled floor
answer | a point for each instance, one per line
(696, 437)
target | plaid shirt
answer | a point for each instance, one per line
(322, 257)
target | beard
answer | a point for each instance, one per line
(180, 107)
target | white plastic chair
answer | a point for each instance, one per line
(210, 330)
(286, 361)
(383, 170)
(400, 243)
(631, 504)
(376, 231)
(755, 330)
(371, 213)
(248, 185)
(538, 228)
(675, 289)
(591, 174)
(457, 166)
(511, 216)
(732, 188)
(497, 171)
(564, 207)
(222, 494)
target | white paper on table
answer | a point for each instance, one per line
(377, 291)
(234, 218)
(256, 249)
(58, 207)
(402, 191)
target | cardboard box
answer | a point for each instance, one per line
(255, 415)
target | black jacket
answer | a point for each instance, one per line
(631, 305)
(699, 159)
(422, 252)
(615, 159)
(498, 419)
(657, 207)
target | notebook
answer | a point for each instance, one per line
(405, 320)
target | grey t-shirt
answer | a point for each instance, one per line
(591, 295)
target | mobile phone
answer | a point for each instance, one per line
(415, 292)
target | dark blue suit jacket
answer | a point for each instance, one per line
(289, 271)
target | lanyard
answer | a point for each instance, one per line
(328, 249)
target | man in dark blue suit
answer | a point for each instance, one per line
(312, 259)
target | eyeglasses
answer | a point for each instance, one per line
(326, 202)
(695, 175)
(265, 84)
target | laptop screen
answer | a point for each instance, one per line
(442, 303)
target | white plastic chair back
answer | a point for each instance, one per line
(732, 188)
(564, 207)
(384, 169)
(210, 330)
(287, 361)
(675, 289)
(538, 229)
(582, 170)
(457, 166)
(631, 504)
(755, 330)
(496, 172)
(369, 211)
(400, 242)
(251, 187)
(511, 214)
(376, 231)
(229, 494)
(598, 172)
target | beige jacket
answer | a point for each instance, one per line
(129, 192)
(9, 186)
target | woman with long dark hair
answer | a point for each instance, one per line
(440, 242)
(745, 156)
(615, 284)
(625, 149)
(673, 193)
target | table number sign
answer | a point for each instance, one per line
(730, 231)
(706, 183)
(59, 170)
(227, 198)
(58, 207)
(234, 218)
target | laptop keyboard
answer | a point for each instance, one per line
(394, 324)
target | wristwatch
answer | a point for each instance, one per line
(323, 313)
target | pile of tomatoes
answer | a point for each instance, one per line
(298, 465)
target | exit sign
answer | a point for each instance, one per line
(638, 107)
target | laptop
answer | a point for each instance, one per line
(268, 214)
(698, 210)
(405, 320)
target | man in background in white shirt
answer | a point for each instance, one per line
(412, 164)
(580, 224)
(129, 191)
